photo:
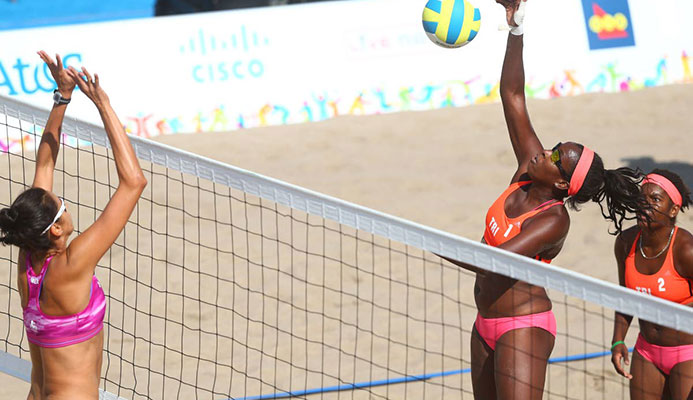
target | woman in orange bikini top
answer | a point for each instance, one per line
(513, 334)
(655, 258)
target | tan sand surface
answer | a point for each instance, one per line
(443, 168)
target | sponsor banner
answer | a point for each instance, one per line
(609, 23)
(256, 67)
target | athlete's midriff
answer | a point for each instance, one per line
(666, 284)
(73, 372)
(663, 336)
(496, 295)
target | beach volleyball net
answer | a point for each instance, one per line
(227, 284)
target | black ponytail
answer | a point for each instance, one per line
(21, 224)
(8, 219)
(619, 187)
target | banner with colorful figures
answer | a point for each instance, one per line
(278, 65)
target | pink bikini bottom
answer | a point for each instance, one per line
(663, 357)
(491, 329)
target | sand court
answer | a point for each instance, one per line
(243, 282)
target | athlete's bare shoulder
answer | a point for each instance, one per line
(624, 241)
(684, 237)
(560, 213)
(683, 253)
(628, 235)
(555, 218)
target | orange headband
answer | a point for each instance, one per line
(668, 187)
(583, 165)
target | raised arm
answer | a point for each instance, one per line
(86, 250)
(541, 233)
(47, 152)
(619, 350)
(524, 140)
(464, 265)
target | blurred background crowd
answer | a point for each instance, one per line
(19, 14)
(169, 7)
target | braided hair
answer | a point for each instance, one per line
(619, 187)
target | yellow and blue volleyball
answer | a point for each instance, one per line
(451, 23)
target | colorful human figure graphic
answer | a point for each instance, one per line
(283, 111)
(661, 76)
(219, 119)
(141, 126)
(685, 60)
(448, 101)
(427, 97)
(334, 106)
(358, 105)
(466, 86)
(322, 106)
(162, 127)
(384, 105)
(307, 112)
(491, 95)
(262, 115)
(405, 98)
(532, 92)
(198, 119)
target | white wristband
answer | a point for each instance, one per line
(519, 18)
(519, 15)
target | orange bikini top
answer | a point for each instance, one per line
(666, 283)
(500, 228)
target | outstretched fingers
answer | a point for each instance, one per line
(77, 78)
(507, 3)
(87, 74)
(511, 8)
(46, 58)
(89, 84)
(72, 72)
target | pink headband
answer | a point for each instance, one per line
(583, 165)
(668, 187)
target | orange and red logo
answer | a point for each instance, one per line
(608, 23)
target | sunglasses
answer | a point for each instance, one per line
(61, 210)
(556, 159)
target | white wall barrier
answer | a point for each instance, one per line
(276, 65)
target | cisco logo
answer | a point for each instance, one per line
(608, 23)
(220, 58)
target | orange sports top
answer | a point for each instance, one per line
(665, 283)
(500, 228)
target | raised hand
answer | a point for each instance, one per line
(511, 8)
(89, 85)
(62, 78)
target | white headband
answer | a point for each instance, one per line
(57, 216)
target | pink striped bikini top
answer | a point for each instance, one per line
(60, 331)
